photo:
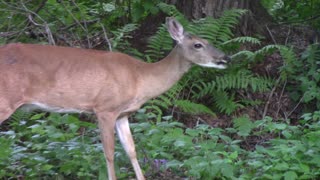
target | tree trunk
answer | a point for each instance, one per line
(253, 22)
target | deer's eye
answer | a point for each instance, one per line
(197, 45)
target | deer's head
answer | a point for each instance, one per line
(195, 49)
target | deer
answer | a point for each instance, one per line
(112, 85)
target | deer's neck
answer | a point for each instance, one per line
(160, 76)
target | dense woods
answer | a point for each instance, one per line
(257, 119)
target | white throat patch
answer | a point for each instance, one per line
(213, 65)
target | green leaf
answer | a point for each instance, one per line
(37, 116)
(227, 170)
(305, 168)
(173, 164)
(290, 175)
(179, 143)
(192, 132)
(281, 166)
(280, 126)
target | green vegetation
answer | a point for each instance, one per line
(287, 11)
(61, 146)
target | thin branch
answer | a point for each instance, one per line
(279, 100)
(85, 23)
(266, 107)
(270, 33)
(42, 4)
(8, 34)
(295, 107)
(106, 37)
(84, 26)
(81, 22)
(287, 38)
(33, 22)
(301, 21)
(45, 26)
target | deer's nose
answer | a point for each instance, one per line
(227, 58)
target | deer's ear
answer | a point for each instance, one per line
(175, 29)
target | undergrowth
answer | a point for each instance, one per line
(63, 147)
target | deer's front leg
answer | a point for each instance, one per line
(107, 125)
(125, 136)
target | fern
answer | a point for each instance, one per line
(171, 10)
(243, 40)
(225, 103)
(161, 42)
(243, 125)
(244, 55)
(158, 44)
(219, 30)
(21, 114)
(121, 35)
(303, 75)
(229, 19)
(253, 56)
(220, 87)
(240, 80)
(154, 112)
(164, 101)
(268, 49)
(193, 108)
(202, 89)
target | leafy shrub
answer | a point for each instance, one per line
(303, 75)
(304, 12)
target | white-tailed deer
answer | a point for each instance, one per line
(112, 85)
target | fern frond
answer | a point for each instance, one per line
(225, 103)
(201, 89)
(154, 112)
(170, 10)
(268, 49)
(243, 125)
(290, 63)
(243, 54)
(240, 80)
(158, 44)
(21, 114)
(226, 22)
(244, 39)
(312, 54)
(155, 106)
(121, 35)
(193, 108)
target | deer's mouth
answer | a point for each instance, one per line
(223, 62)
(213, 65)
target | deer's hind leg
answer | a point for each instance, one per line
(125, 136)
